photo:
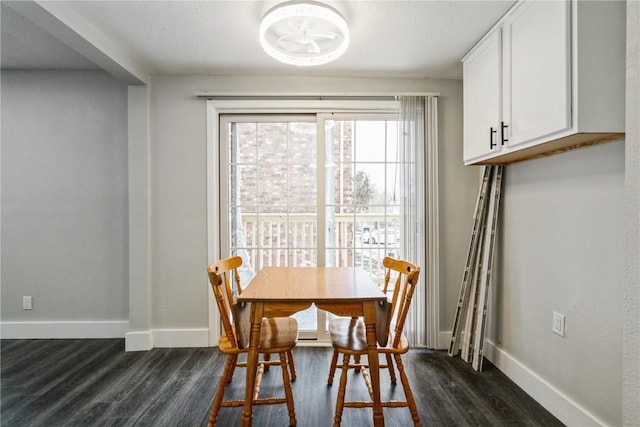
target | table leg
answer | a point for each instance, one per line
(374, 364)
(252, 362)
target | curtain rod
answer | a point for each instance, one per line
(312, 97)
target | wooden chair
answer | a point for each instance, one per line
(348, 337)
(343, 324)
(277, 336)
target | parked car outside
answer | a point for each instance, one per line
(379, 236)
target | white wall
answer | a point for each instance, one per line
(64, 203)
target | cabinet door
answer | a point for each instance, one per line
(481, 98)
(537, 81)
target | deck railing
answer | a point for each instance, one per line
(281, 239)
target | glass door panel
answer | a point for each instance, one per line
(269, 165)
(362, 206)
(310, 190)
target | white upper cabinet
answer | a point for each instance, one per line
(548, 77)
(481, 98)
(537, 47)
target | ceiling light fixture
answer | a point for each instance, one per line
(304, 33)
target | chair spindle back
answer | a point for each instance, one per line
(406, 278)
(220, 275)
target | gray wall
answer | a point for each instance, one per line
(631, 305)
(562, 240)
(179, 228)
(64, 196)
(64, 222)
(562, 249)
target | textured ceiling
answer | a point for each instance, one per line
(409, 39)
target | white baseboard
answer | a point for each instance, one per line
(174, 338)
(138, 341)
(134, 340)
(553, 400)
(64, 330)
(166, 338)
(444, 339)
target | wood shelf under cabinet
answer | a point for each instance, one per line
(568, 143)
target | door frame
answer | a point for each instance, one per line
(269, 105)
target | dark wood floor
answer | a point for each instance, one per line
(96, 383)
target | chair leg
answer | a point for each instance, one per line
(267, 357)
(287, 388)
(233, 369)
(342, 390)
(229, 366)
(392, 372)
(292, 365)
(332, 368)
(407, 391)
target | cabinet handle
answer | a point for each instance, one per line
(492, 132)
(502, 133)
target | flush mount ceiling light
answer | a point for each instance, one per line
(304, 33)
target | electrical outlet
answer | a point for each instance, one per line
(27, 303)
(558, 323)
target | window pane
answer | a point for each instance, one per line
(246, 143)
(302, 145)
(272, 187)
(363, 212)
(301, 185)
(343, 184)
(248, 191)
(303, 231)
(369, 185)
(370, 141)
(392, 184)
(392, 142)
(273, 143)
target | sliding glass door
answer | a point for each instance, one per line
(310, 190)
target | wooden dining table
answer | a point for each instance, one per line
(343, 291)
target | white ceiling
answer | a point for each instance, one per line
(405, 39)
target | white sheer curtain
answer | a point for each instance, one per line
(419, 158)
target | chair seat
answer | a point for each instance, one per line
(276, 335)
(350, 335)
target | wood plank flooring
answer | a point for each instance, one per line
(96, 383)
